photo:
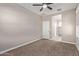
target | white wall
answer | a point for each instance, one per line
(68, 26)
(77, 27)
(17, 26)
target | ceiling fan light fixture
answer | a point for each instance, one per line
(44, 6)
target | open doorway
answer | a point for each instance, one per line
(56, 23)
(52, 29)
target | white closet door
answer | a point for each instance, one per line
(46, 29)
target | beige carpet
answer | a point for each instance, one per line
(44, 48)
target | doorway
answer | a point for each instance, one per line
(56, 27)
(52, 29)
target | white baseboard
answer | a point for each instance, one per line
(18, 46)
(64, 41)
(68, 42)
(77, 48)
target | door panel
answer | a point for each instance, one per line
(46, 29)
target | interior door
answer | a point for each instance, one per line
(46, 29)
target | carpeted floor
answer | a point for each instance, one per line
(44, 48)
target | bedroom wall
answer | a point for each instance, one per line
(77, 27)
(17, 26)
(68, 26)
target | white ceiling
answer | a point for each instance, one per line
(55, 6)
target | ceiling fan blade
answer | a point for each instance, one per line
(48, 3)
(49, 7)
(37, 4)
(41, 9)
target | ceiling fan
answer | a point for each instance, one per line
(44, 5)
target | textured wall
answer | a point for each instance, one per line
(17, 25)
